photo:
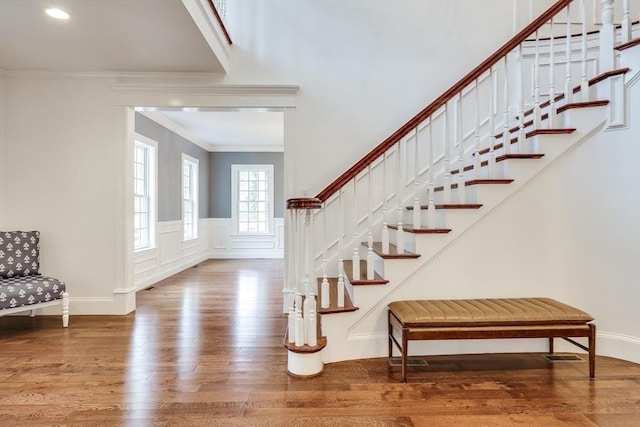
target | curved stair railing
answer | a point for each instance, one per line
(435, 162)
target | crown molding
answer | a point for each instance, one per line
(165, 122)
(208, 89)
(247, 149)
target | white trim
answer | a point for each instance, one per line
(246, 148)
(208, 89)
(210, 29)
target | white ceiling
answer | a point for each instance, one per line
(103, 35)
(131, 36)
(229, 130)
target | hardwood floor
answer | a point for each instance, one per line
(204, 348)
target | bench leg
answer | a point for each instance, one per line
(550, 345)
(65, 309)
(592, 350)
(390, 327)
(33, 313)
(405, 352)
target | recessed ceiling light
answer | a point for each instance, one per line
(57, 13)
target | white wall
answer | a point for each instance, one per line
(364, 67)
(2, 155)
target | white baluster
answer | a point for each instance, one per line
(324, 287)
(292, 322)
(459, 139)
(552, 78)
(340, 285)
(370, 263)
(584, 82)
(447, 157)
(310, 320)
(506, 134)
(299, 325)
(356, 254)
(492, 111)
(520, 94)
(537, 111)
(626, 21)
(568, 89)
(401, 181)
(288, 290)
(476, 151)
(416, 185)
(431, 209)
(385, 227)
(607, 38)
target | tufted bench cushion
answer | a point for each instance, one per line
(487, 312)
(487, 319)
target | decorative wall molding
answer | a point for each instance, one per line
(227, 244)
(171, 255)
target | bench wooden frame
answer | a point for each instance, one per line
(565, 331)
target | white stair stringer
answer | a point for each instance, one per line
(363, 333)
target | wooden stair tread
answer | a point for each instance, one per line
(321, 343)
(499, 158)
(362, 280)
(584, 104)
(576, 89)
(519, 156)
(450, 206)
(333, 298)
(477, 182)
(393, 252)
(422, 230)
(627, 45)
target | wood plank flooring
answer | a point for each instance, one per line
(204, 348)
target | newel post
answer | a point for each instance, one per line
(303, 342)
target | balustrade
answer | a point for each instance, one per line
(503, 94)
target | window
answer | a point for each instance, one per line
(144, 193)
(253, 198)
(189, 197)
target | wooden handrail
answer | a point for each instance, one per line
(484, 66)
(219, 19)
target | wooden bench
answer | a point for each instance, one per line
(485, 319)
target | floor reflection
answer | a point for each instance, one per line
(141, 378)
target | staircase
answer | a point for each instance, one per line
(372, 236)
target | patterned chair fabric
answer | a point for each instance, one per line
(19, 253)
(28, 290)
(21, 284)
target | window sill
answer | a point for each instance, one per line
(144, 251)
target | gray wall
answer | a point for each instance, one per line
(220, 179)
(170, 149)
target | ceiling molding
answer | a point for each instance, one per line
(164, 121)
(146, 76)
(246, 148)
(208, 89)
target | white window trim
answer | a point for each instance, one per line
(153, 190)
(195, 190)
(234, 198)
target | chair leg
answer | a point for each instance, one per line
(550, 345)
(592, 351)
(33, 313)
(65, 309)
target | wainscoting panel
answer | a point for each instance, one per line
(171, 255)
(228, 244)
